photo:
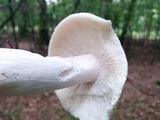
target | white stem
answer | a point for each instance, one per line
(23, 72)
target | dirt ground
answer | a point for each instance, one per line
(140, 99)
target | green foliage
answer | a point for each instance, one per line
(158, 82)
(143, 23)
(70, 117)
(11, 113)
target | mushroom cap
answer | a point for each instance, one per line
(85, 33)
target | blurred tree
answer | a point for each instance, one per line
(127, 19)
(13, 24)
(43, 23)
(23, 23)
(108, 7)
(131, 19)
(76, 4)
(6, 20)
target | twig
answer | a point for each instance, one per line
(10, 17)
(11, 44)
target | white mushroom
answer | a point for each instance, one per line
(85, 58)
(81, 34)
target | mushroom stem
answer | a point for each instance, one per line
(23, 72)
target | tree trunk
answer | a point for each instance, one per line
(76, 4)
(43, 26)
(127, 19)
(13, 25)
(107, 9)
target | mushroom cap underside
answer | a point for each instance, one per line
(84, 33)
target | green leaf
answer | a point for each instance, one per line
(158, 82)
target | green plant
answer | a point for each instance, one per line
(157, 82)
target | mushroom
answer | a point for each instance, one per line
(86, 65)
(23, 72)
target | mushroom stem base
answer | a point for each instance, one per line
(23, 72)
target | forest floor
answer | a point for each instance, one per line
(140, 99)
